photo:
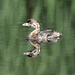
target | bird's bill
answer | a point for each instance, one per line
(26, 24)
(26, 53)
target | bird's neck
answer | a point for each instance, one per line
(35, 32)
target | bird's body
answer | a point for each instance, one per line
(44, 36)
(37, 36)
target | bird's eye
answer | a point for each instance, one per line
(35, 51)
(34, 24)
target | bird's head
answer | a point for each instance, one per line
(32, 23)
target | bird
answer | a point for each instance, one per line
(37, 36)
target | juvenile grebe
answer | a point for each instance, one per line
(37, 36)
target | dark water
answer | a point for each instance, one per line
(54, 59)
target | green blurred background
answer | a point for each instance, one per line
(54, 59)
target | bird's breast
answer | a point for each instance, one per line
(32, 38)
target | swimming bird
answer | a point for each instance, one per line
(37, 36)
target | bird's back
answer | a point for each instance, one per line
(43, 35)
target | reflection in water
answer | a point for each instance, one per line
(36, 37)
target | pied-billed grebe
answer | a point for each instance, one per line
(37, 36)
